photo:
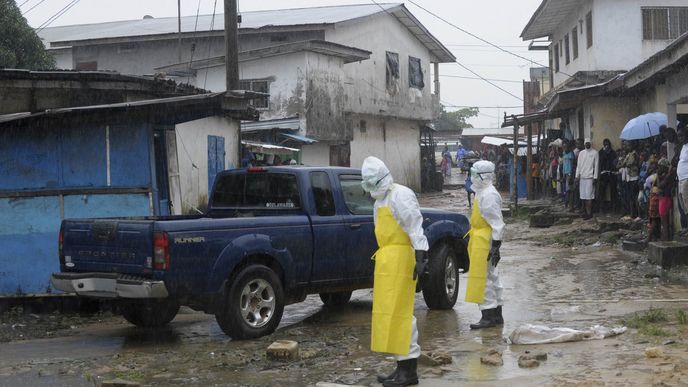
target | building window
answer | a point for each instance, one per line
(556, 58)
(415, 73)
(561, 51)
(392, 73)
(86, 66)
(664, 23)
(588, 28)
(127, 48)
(574, 42)
(260, 86)
(567, 48)
(363, 126)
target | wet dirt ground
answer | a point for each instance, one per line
(545, 282)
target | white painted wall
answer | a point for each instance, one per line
(316, 155)
(63, 58)
(617, 36)
(398, 145)
(192, 150)
(366, 80)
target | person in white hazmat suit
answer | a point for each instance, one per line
(487, 228)
(399, 260)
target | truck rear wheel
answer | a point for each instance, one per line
(335, 299)
(253, 304)
(441, 283)
(150, 313)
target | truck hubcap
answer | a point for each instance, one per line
(450, 279)
(257, 303)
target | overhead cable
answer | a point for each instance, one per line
(466, 68)
(57, 15)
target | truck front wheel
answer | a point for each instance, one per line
(150, 313)
(441, 283)
(253, 304)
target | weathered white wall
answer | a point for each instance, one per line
(141, 58)
(316, 155)
(617, 36)
(366, 80)
(609, 115)
(63, 58)
(395, 141)
(192, 150)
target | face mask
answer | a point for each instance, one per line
(370, 183)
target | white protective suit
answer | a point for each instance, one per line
(404, 206)
(490, 206)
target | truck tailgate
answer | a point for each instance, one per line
(113, 245)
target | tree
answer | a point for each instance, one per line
(20, 46)
(456, 120)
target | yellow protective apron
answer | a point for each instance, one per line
(478, 251)
(394, 289)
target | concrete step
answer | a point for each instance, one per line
(668, 254)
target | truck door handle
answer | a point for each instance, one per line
(355, 226)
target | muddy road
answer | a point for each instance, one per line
(546, 282)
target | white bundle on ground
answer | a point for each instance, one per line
(541, 334)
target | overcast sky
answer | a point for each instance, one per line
(498, 21)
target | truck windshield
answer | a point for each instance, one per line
(257, 190)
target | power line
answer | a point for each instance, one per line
(57, 15)
(22, 4)
(478, 37)
(446, 104)
(494, 80)
(466, 68)
(212, 25)
(36, 5)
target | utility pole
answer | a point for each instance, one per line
(231, 45)
(179, 29)
(232, 59)
(514, 185)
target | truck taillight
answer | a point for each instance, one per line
(161, 251)
(60, 244)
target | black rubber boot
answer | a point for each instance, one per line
(384, 378)
(487, 321)
(406, 374)
(499, 320)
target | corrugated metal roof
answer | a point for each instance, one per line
(250, 20)
(548, 17)
(66, 35)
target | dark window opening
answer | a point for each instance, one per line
(357, 201)
(588, 28)
(260, 86)
(567, 49)
(664, 23)
(363, 126)
(392, 73)
(574, 42)
(322, 194)
(556, 58)
(278, 38)
(257, 190)
(415, 73)
(86, 66)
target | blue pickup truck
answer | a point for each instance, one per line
(270, 237)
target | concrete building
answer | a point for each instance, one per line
(87, 145)
(591, 43)
(359, 79)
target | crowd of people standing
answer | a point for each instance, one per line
(641, 180)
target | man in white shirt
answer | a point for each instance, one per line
(587, 172)
(682, 169)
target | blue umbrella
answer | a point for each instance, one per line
(643, 126)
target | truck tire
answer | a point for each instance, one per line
(253, 304)
(335, 299)
(150, 313)
(441, 283)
